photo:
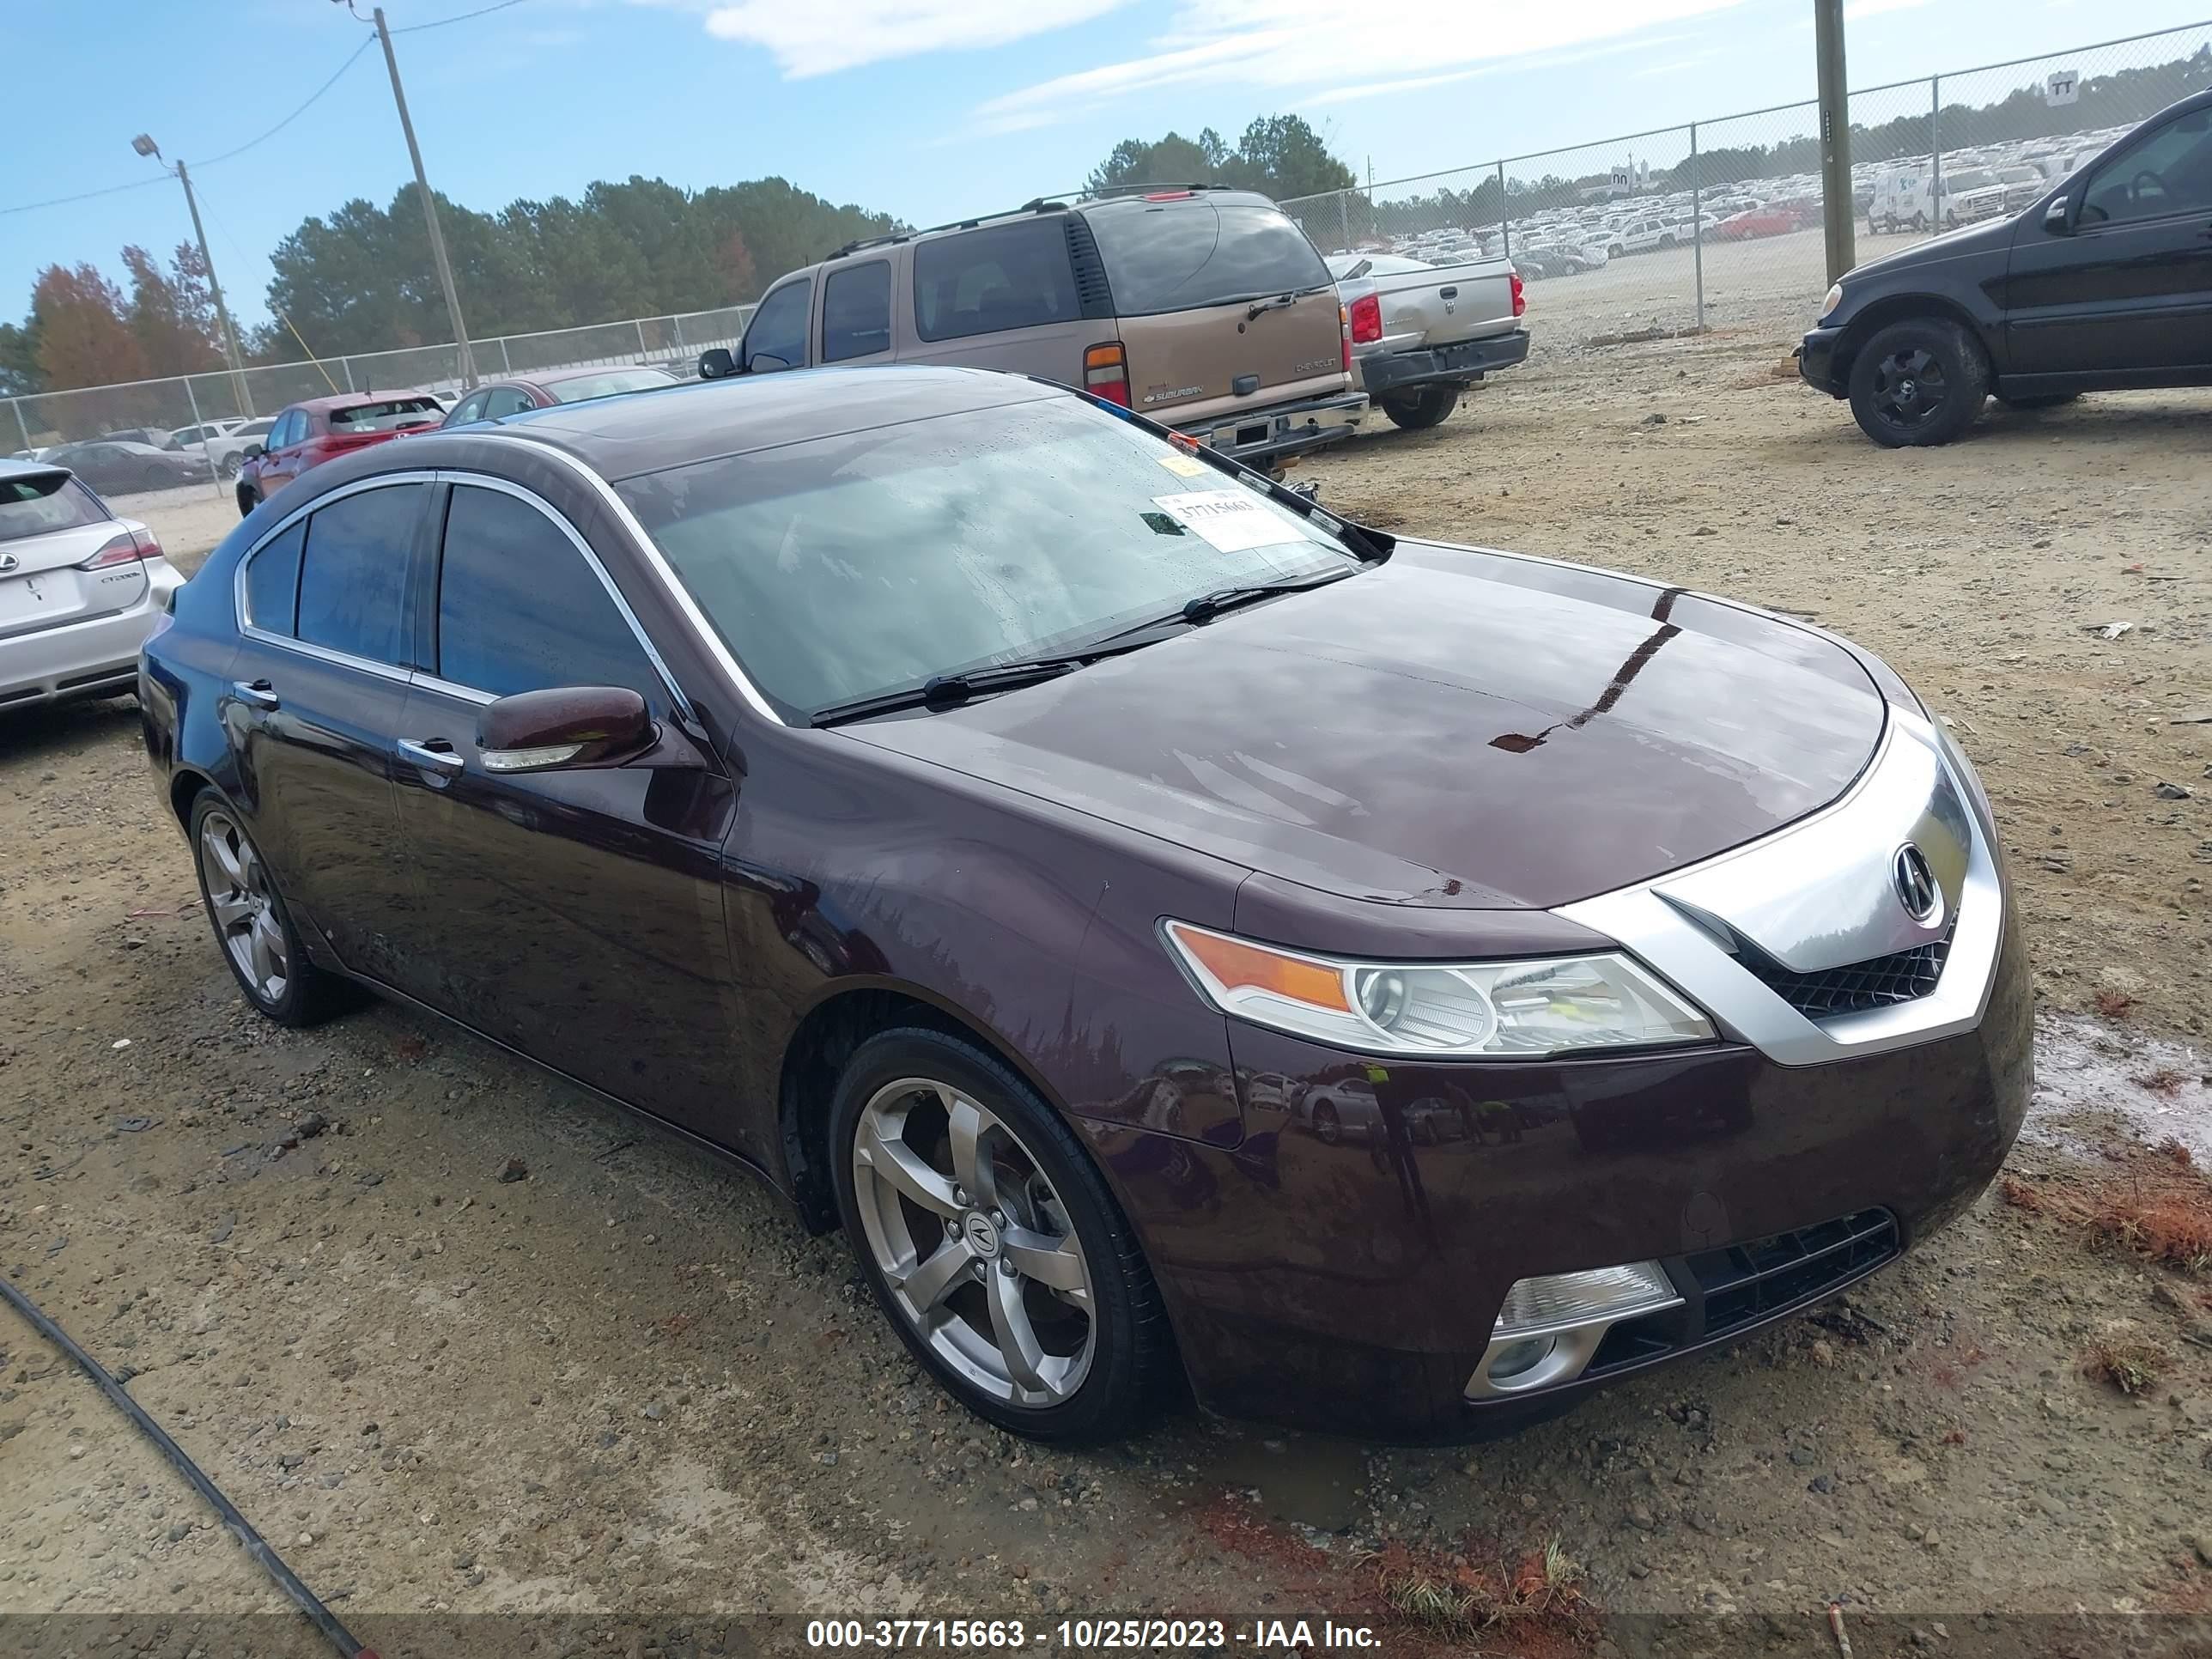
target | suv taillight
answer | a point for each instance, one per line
(1106, 373)
(129, 548)
(1366, 319)
(1520, 296)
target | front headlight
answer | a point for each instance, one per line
(1462, 1011)
(1835, 298)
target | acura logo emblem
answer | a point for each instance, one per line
(1916, 884)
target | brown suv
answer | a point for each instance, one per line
(1206, 309)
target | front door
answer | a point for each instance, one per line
(576, 916)
(317, 691)
(2123, 292)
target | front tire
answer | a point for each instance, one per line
(1918, 383)
(990, 1241)
(252, 925)
(248, 499)
(1414, 411)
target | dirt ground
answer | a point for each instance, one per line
(627, 1383)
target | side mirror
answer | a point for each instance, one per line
(716, 363)
(2055, 217)
(570, 726)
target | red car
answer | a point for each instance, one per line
(1778, 219)
(320, 430)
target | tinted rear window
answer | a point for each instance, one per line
(1176, 256)
(385, 416)
(1002, 276)
(46, 502)
(353, 576)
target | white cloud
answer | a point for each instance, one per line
(810, 37)
(1332, 51)
(1854, 9)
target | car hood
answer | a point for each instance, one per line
(1453, 727)
(1990, 235)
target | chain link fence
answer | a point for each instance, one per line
(192, 403)
(1718, 224)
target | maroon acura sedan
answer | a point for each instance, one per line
(1170, 928)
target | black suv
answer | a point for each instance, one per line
(2103, 283)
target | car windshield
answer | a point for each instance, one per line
(1970, 178)
(1176, 256)
(45, 501)
(584, 387)
(841, 568)
(385, 416)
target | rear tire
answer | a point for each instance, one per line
(252, 928)
(960, 1191)
(228, 467)
(1918, 383)
(1414, 411)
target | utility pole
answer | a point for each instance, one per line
(145, 146)
(468, 363)
(1836, 210)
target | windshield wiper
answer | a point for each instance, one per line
(1275, 304)
(1207, 606)
(948, 690)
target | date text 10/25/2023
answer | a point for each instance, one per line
(988, 1636)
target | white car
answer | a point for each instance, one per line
(80, 589)
(229, 444)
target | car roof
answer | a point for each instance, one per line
(355, 399)
(13, 469)
(623, 436)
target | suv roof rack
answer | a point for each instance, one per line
(1139, 189)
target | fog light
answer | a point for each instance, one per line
(1555, 1300)
(1516, 1358)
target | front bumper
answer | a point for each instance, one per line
(1268, 435)
(1816, 362)
(98, 657)
(1462, 364)
(1351, 1282)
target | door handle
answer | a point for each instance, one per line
(439, 761)
(254, 694)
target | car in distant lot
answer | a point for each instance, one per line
(2104, 283)
(1003, 824)
(510, 395)
(123, 468)
(1204, 308)
(1774, 220)
(228, 444)
(153, 437)
(1423, 333)
(80, 588)
(320, 430)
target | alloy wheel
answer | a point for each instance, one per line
(1910, 388)
(244, 910)
(974, 1246)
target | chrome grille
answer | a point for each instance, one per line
(1881, 982)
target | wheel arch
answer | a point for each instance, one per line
(184, 786)
(1878, 315)
(847, 1014)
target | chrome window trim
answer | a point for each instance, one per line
(430, 681)
(463, 479)
(242, 613)
(1670, 937)
(649, 552)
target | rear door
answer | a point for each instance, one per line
(318, 686)
(281, 464)
(856, 313)
(1222, 305)
(1008, 296)
(51, 527)
(2124, 297)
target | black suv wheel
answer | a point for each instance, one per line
(1414, 410)
(1918, 382)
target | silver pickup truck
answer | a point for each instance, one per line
(1420, 332)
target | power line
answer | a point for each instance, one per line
(297, 113)
(81, 196)
(463, 17)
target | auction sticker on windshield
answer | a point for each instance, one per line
(1231, 520)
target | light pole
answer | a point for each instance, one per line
(146, 146)
(467, 361)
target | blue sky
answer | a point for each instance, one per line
(927, 108)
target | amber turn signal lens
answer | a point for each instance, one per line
(1239, 966)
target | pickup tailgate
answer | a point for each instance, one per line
(1443, 305)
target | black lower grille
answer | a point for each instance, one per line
(1902, 976)
(1736, 1286)
(1741, 1282)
